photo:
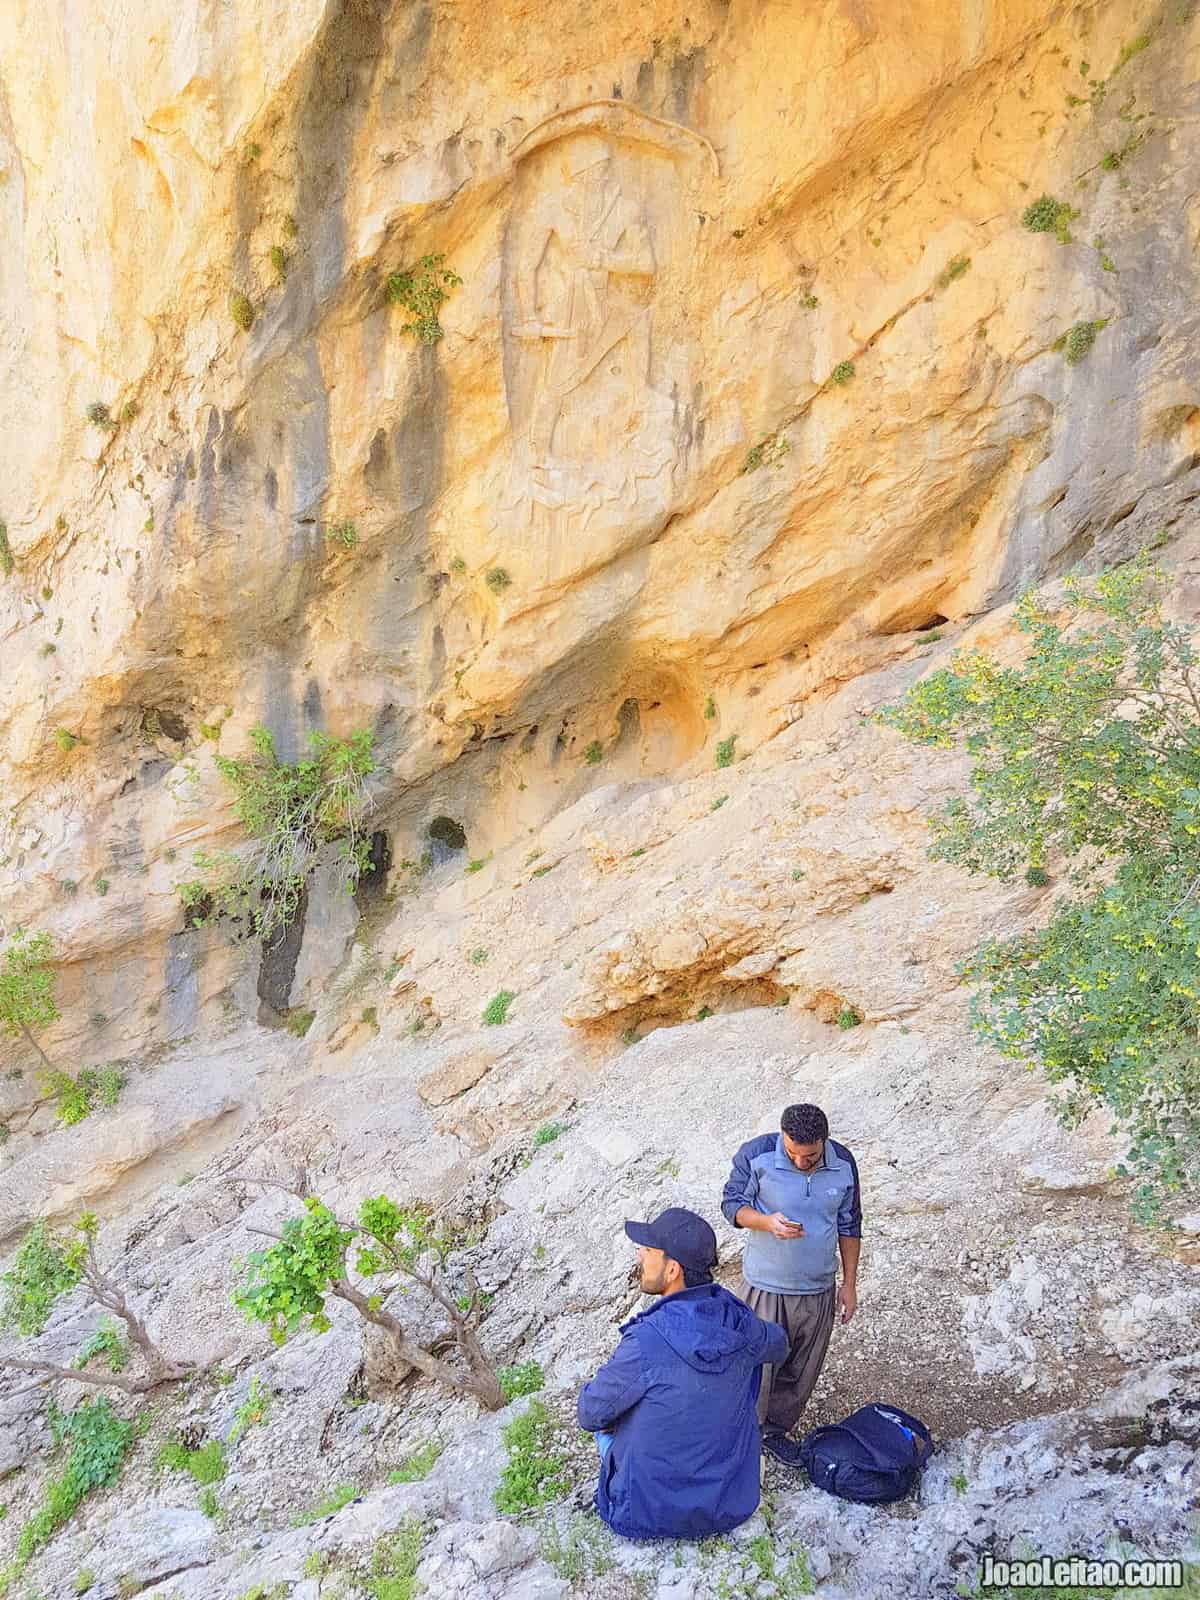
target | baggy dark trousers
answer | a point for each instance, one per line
(807, 1319)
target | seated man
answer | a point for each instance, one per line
(673, 1410)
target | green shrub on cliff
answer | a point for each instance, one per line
(289, 810)
(27, 987)
(1048, 215)
(286, 1287)
(1088, 753)
(422, 291)
(98, 1441)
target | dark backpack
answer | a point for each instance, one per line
(875, 1455)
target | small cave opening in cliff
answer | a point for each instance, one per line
(629, 725)
(160, 722)
(447, 839)
(372, 880)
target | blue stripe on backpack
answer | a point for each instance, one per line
(875, 1455)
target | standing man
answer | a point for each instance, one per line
(796, 1194)
(673, 1407)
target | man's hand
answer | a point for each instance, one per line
(847, 1302)
(779, 1225)
(775, 1222)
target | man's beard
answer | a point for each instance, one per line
(648, 1283)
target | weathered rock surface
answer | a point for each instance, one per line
(629, 571)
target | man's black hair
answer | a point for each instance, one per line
(805, 1124)
(693, 1279)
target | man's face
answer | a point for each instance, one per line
(804, 1156)
(652, 1269)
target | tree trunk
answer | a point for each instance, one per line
(479, 1381)
(98, 1380)
(159, 1369)
(49, 1065)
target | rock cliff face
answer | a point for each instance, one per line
(749, 370)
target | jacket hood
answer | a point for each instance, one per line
(709, 1328)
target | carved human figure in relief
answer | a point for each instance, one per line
(582, 279)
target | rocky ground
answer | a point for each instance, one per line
(1006, 1296)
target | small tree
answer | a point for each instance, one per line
(286, 1286)
(48, 1265)
(1087, 755)
(290, 811)
(27, 987)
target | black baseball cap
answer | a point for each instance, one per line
(680, 1234)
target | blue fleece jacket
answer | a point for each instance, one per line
(825, 1200)
(678, 1395)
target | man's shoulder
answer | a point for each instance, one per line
(760, 1145)
(842, 1153)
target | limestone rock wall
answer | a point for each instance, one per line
(623, 482)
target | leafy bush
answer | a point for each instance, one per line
(279, 260)
(7, 562)
(75, 1097)
(496, 1010)
(44, 1267)
(286, 1286)
(99, 415)
(241, 309)
(1048, 215)
(497, 579)
(98, 1440)
(342, 533)
(526, 1377)
(724, 753)
(548, 1132)
(1078, 340)
(108, 1341)
(768, 452)
(594, 754)
(842, 373)
(848, 1018)
(710, 708)
(206, 1464)
(289, 811)
(48, 1265)
(422, 291)
(27, 987)
(534, 1473)
(1089, 751)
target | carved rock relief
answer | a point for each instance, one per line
(597, 352)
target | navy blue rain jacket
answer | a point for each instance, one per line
(678, 1395)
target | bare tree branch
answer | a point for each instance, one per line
(99, 1380)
